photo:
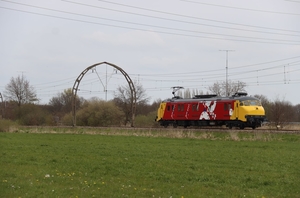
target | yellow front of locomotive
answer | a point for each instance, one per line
(249, 112)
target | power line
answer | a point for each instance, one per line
(164, 27)
(294, 1)
(218, 70)
(177, 29)
(173, 14)
(242, 66)
(239, 8)
(162, 32)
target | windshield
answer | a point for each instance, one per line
(250, 103)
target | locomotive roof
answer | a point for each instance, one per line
(214, 98)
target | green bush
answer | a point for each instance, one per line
(99, 113)
(7, 125)
(31, 114)
(146, 121)
(67, 120)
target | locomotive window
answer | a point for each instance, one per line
(252, 103)
(225, 107)
(173, 107)
(194, 107)
(255, 103)
(180, 107)
(168, 108)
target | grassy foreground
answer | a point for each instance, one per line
(86, 165)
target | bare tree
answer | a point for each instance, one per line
(217, 89)
(281, 112)
(233, 87)
(19, 90)
(62, 103)
(123, 100)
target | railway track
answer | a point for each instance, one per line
(168, 129)
(219, 129)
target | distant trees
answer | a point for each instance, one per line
(35, 115)
(61, 104)
(19, 90)
(297, 112)
(187, 93)
(20, 97)
(123, 100)
(232, 87)
(279, 112)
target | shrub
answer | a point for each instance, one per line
(31, 114)
(99, 113)
(146, 121)
(7, 125)
(67, 120)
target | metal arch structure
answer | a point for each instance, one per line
(128, 79)
(1, 107)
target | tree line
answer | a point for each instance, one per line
(21, 105)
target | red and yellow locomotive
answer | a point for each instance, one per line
(238, 110)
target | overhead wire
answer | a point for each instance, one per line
(216, 73)
(156, 31)
(235, 37)
(239, 8)
(176, 14)
(256, 39)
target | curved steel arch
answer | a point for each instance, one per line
(128, 79)
(1, 107)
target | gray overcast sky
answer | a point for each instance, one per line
(160, 44)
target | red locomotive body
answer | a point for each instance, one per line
(209, 110)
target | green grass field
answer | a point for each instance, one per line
(93, 165)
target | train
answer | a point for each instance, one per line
(238, 110)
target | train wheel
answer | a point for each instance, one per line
(253, 127)
(185, 124)
(242, 126)
(174, 125)
(165, 124)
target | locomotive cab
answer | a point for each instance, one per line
(250, 112)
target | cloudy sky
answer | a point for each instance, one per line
(160, 44)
